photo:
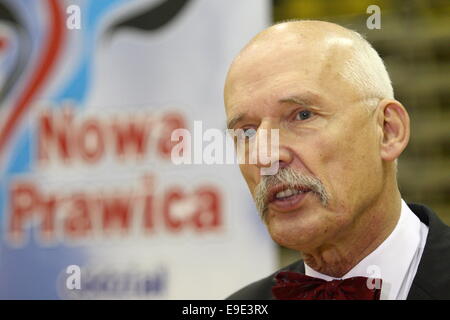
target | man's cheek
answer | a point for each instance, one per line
(324, 149)
(332, 164)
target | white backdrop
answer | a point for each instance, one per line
(96, 188)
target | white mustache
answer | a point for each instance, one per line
(290, 178)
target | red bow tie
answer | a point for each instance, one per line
(296, 286)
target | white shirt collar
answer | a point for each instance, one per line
(392, 258)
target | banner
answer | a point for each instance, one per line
(91, 204)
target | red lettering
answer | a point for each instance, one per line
(48, 207)
(208, 216)
(117, 211)
(132, 137)
(170, 122)
(55, 133)
(78, 223)
(148, 203)
(24, 201)
(78, 216)
(171, 197)
(62, 136)
(90, 141)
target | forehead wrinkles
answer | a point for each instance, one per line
(311, 60)
(246, 91)
(255, 73)
(262, 61)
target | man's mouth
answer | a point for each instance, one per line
(286, 198)
(282, 193)
(288, 193)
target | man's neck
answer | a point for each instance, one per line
(372, 228)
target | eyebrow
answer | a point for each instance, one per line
(304, 100)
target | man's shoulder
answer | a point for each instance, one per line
(439, 232)
(262, 289)
(432, 279)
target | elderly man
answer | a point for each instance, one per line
(335, 196)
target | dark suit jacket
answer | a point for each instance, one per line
(432, 280)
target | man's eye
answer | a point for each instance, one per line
(249, 132)
(303, 115)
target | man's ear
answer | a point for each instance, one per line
(393, 120)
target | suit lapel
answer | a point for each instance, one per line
(432, 278)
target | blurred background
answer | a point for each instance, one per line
(91, 205)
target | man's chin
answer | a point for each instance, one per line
(296, 229)
(295, 240)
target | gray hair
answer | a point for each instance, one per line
(366, 70)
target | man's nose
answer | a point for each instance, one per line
(272, 152)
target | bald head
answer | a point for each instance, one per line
(302, 30)
(328, 51)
